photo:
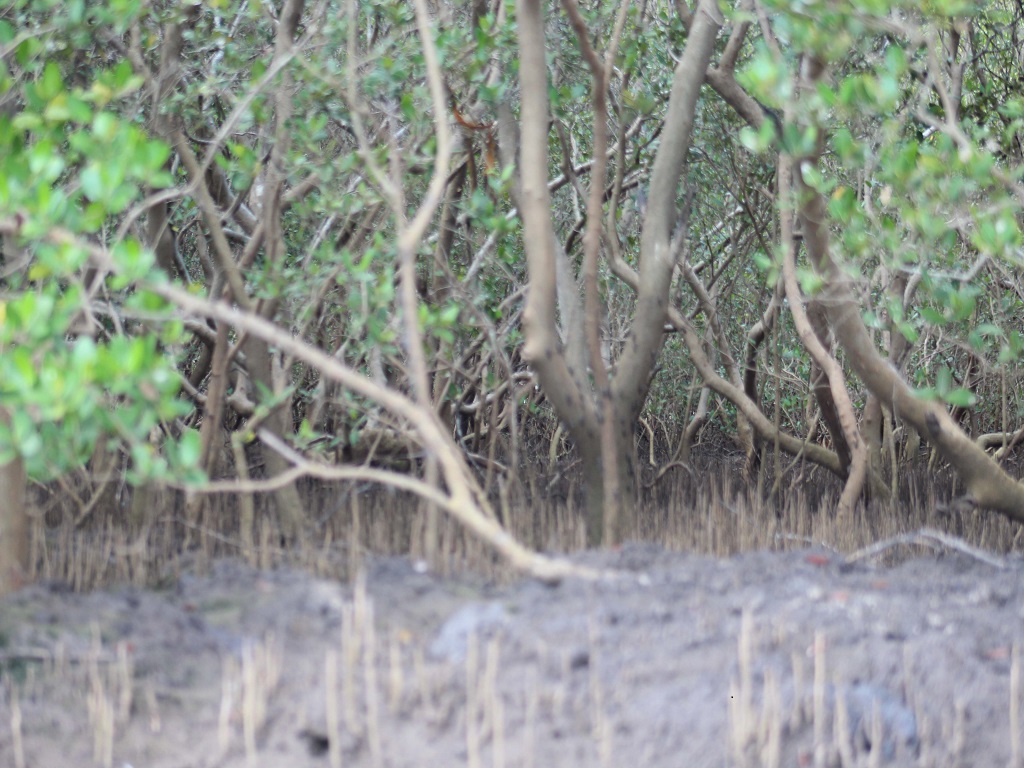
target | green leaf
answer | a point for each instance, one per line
(448, 314)
(51, 83)
(961, 397)
(761, 140)
(58, 110)
(909, 331)
(91, 179)
(810, 281)
(105, 126)
(842, 203)
(132, 260)
(189, 448)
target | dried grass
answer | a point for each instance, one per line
(712, 511)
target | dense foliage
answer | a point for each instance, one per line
(324, 169)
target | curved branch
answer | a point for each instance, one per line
(836, 379)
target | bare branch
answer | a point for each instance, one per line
(837, 380)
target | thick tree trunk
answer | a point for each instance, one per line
(871, 430)
(260, 360)
(562, 377)
(14, 523)
(600, 528)
(286, 499)
(593, 491)
(601, 416)
(627, 482)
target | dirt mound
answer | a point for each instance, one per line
(797, 658)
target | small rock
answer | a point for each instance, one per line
(483, 619)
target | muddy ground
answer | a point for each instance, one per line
(785, 658)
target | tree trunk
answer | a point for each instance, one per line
(602, 528)
(14, 523)
(823, 390)
(561, 377)
(286, 499)
(601, 416)
(289, 504)
(988, 486)
(871, 430)
(593, 491)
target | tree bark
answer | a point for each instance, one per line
(646, 336)
(543, 348)
(286, 499)
(260, 359)
(841, 416)
(876, 426)
(988, 486)
(606, 413)
(823, 389)
(15, 523)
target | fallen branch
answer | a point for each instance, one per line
(927, 537)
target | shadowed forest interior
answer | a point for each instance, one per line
(361, 275)
(511, 382)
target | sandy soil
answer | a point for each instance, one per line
(789, 659)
